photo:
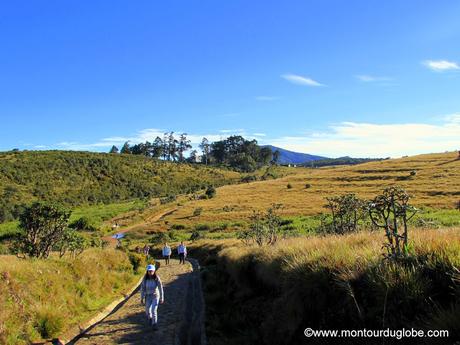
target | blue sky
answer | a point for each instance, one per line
(360, 78)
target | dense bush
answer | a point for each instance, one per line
(210, 192)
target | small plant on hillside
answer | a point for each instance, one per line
(289, 186)
(196, 235)
(307, 185)
(73, 242)
(197, 211)
(44, 226)
(210, 192)
(265, 228)
(391, 211)
(159, 238)
(347, 210)
(249, 178)
(167, 199)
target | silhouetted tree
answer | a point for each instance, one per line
(157, 148)
(126, 149)
(183, 146)
(276, 157)
(205, 148)
(114, 149)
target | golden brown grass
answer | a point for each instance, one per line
(40, 298)
(436, 184)
(330, 282)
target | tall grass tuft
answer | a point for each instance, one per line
(42, 298)
(331, 282)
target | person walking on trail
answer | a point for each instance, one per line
(152, 295)
(166, 253)
(146, 251)
(182, 251)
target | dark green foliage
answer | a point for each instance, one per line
(167, 199)
(44, 226)
(160, 237)
(82, 224)
(340, 161)
(346, 210)
(136, 260)
(249, 178)
(71, 241)
(79, 178)
(114, 149)
(197, 211)
(125, 149)
(196, 235)
(202, 227)
(178, 226)
(210, 192)
(239, 153)
(289, 186)
(48, 324)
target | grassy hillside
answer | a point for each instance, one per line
(273, 293)
(78, 178)
(42, 298)
(435, 185)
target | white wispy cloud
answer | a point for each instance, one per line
(357, 139)
(149, 134)
(266, 98)
(233, 131)
(300, 80)
(369, 78)
(377, 140)
(441, 65)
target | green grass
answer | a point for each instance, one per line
(42, 298)
(98, 214)
(435, 218)
(9, 229)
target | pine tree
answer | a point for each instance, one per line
(126, 149)
(114, 149)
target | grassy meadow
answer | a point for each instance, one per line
(42, 298)
(330, 282)
(320, 281)
(435, 188)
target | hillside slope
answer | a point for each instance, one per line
(76, 178)
(436, 184)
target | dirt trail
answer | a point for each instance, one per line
(127, 324)
(150, 220)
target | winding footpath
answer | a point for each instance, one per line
(180, 317)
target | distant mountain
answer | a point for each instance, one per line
(290, 157)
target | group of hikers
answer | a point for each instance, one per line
(151, 287)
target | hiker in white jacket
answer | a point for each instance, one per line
(182, 251)
(151, 294)
(166, 253)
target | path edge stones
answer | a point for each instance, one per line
(191, 330)
(77, 331)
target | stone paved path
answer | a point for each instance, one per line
(128, 324)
